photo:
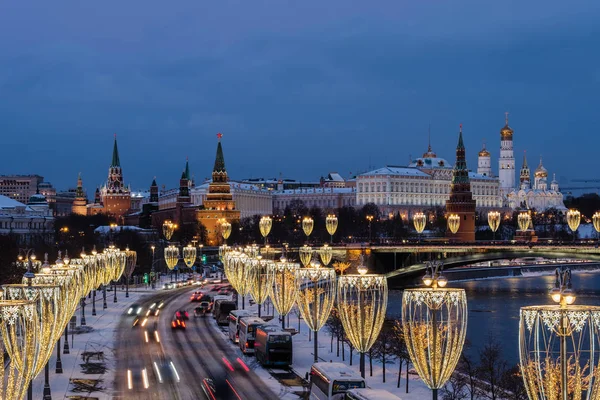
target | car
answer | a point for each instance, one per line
(209, 388)
(196, 296)
(139, 321)
(134, 309)
(203, 309)
(177, 323)
(182, 314)
(224, 292)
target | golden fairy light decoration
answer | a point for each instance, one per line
(419, 221)
(284, 290)
(171, 256)
(494, 221)
(265, 225)
(260, 275)
(362, 303)
(189, 255)
(331, 224)
(453, 223)
(307, 225)
(225, 229)
(573, 220)
(326, 254)
(524, 220)
(434, 321)
(48, 310)
(558, 346)
(596, 221)
(168, 228)
(20, 329)
(241, 270)
(316, 295)
(305, 253)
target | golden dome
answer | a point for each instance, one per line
(540, 171)
(484, 152)
(506, 133)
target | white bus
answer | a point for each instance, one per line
(247, 333)
(370, 394)
(331, 381)
(234, 318)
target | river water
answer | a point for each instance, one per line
(494, 306)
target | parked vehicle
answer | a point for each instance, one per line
(331, 381)
(247, 333)
(202, 309)
(234, 318)
(221, 310)
(273, 346)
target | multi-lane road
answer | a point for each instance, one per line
(157, 362)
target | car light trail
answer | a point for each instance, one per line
(129, 380)
(156, 336)
(234, 391)
(243, 364)
(144, 321)
(209, 390)
(148, 312)
(158, 375)
(175, 372)
(146, 336)
(145, 378)
(152, 306)
(228, 364)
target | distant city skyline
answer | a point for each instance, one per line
(301, 91)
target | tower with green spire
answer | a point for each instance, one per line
(219, 204)
(461, 199)
(115, 196)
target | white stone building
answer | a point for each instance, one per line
(27, 222)
(539, 197)
(326, 198)
(424, 183)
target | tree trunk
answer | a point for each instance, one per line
(309, 331)
(406, 376)
(383, 365)
(351, 348)
(331, 351)
(343, 351)
(338, 345)
(370, 362)
(399, 372)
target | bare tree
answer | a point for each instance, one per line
(512, 383)
(400, 351)
(468, 367)
(383, 349)
(455, 388)
(491, 370)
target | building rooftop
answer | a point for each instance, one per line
(8, 203)
(395, 170)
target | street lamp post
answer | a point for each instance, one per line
(265, 225)
(494, 222)
(284, 291)
(316, 295)
(331, 223)
(307, 226)
(419, 221)
(573, 220)
(596, 221)
(453, 223)
(362, 303)
(434, 321)
(558, 346)
(152, 269)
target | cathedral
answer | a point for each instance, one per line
(539, 197)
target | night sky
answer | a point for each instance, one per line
(300, 88)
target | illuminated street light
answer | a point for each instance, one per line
(260, 275)
(171, 256)
(453, 223)
(362, 303)
(494, 221)
(370, 219)
(558, 346)
(168, 229)
(189, 255)
(573, 220)
(316, 295)
(434, 320)
(307, 226)
(331, 223)
(225, 229)
(524, 220)
(419, 221)
(596, 221)
(305, 253)
(284, 290)
(326, 253)
(265, 225)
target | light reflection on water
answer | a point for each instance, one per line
(494, 305)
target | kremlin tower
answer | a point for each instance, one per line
(461, 199)
(115, 197)
(484, 162)
(506, 163)
(525, 175)
(80, 203)
(219, 203)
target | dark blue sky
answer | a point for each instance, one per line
(301, 88)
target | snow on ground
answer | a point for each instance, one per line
(303, 360)
(101, 338)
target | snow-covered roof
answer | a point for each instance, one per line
(314, 191)
(474, 175)
(336, 369)
(430, 163)
(7, 202)
(393, 170)
(108, 229)
(368, 394)
(334, 176)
